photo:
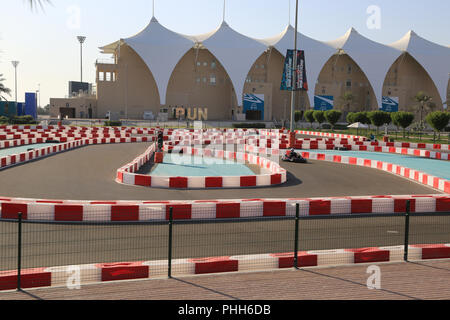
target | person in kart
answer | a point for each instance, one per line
(292, 154)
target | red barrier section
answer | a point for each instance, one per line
(12, 210)
(319, 207)
(274, 208)
(286, 260)
(365, 255)
(213, 182)
(31, 278)
(180, 211)
(215, 265)
(124, 213)
(275, 179)
(143, 180)
(443, 204)
(228, 210)
(68, 213)
(123, 271)
(434, 251)
(178, 182)
(361, 206)
(248, 181)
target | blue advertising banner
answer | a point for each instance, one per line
(254, 102)
(30, 105)
(301, 81)
(390, 104)
(323, 103)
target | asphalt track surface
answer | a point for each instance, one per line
(88, 174)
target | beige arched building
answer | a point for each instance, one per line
(158, 70)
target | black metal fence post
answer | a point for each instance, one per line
(19, 251)
(170, 242)
(408, 210)
(297, 218)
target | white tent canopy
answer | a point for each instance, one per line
(161, 50)
(316, 54)
(237, 54)
(434, 58)
(374, 59)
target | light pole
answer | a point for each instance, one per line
(81, 39)
(15, 64)
(294, 73)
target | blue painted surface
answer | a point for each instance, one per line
(175, 165)
(21, 149)
(437, 168)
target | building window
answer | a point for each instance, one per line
(198, 79)
(101, 76)
(213, 65)
(108, 76)
(199, 63)
(205, 64)
(204, 79)
(212, 79)
(349, 69)
(348, 83)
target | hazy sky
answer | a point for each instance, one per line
(45, 41)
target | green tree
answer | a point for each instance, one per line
(319, 116)
(402, 119)
(333, 116)
(347, 98)
(309, 116)
(438, 120)
(377, 118)
(298, 115)
(351, 117)
(361, 117)
(3, 89)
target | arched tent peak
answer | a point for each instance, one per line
(236, 52)
(433, 57)
(161, 49)
(372, 57)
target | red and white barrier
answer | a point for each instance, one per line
(106, 272)
(110, 211)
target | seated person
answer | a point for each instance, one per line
(292, 154)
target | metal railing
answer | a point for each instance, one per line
(41, 244)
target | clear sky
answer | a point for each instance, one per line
(45, 41)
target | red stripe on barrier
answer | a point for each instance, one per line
(249, 181)
(213, 182)
(143, 180)
(434, 251)
(180, 211)
(286, 260)
(228, 210)
(12, 210)
(68, 213)
(215, 265)
(124, 213)
(178, 182)
(365, 255)
(400, 205)
(30, 278)
(443, 204)
(123, 271)
(319, 207)
(274, 208)
(361, 206)
(276, 179)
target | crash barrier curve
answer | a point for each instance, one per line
(408, 173)
(273, 174)
(106, 272)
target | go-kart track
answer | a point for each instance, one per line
(90, 182)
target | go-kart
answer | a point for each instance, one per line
(296, 158)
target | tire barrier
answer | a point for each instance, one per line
(111, 211)
(107, 272)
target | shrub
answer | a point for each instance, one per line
(319, 116)
(438, 120)
(22, 120)
(377, 118)
(309, 116)
(298, 115)
(332, 116)
(249, 125)
(113, 123)
(402, 119)
(351, 116)
(4, 120)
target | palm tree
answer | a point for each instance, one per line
(3, 90)
(347, 98)
(424, 100)
(35, 3)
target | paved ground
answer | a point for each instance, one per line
(401, 281)
(88, 174)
